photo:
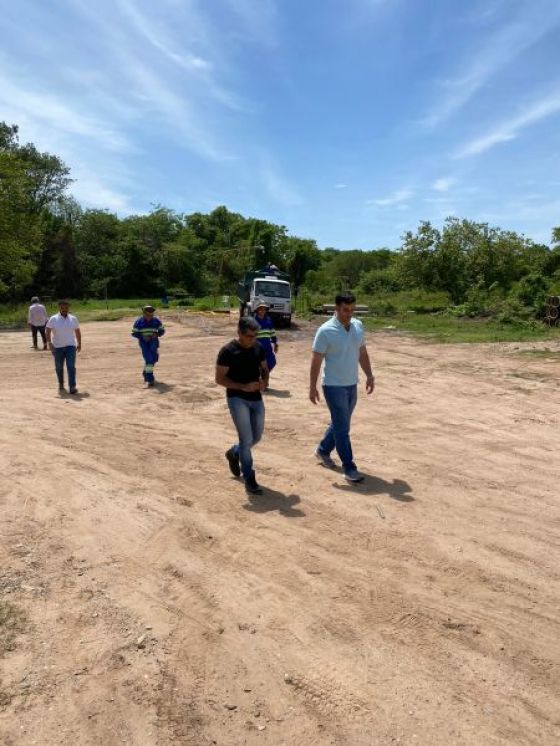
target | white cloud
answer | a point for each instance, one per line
(507, 131)
(22, 102)
(396, 198)
(499, 49)
(157, 37)
(444, 184)
(93, 192)
(180, 102)
(177, 113)
(150, 28)
(340, 186)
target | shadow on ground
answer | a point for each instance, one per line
(278, 393)
(163, 388)
(398, 489)
(74, 397)
(274, 500)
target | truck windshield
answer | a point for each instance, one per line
(272, 289)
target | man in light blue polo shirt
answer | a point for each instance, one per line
(340, 343)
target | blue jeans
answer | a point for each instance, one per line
(248, 418)
(341, 401)
(61, 354)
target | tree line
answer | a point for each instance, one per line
(52, 246)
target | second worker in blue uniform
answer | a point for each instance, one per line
(266, 334)
(148, 329)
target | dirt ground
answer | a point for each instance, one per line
(152, 602)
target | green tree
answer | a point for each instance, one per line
(416, 266)
(59, 272)
(97, 239)
(299, 256)
(30, 182)
(20, 234)
(141, 240)
(465, 255)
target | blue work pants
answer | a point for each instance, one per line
(151, 356)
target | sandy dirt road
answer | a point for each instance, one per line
(165, 607)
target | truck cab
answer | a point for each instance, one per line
(273, 289)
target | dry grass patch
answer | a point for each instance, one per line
(12, 623)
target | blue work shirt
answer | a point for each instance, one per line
(341, 348)
(144, 330)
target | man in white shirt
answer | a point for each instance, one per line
(37, 317)
(64, 339)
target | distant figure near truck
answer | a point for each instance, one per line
(266, 336)
(271, 286)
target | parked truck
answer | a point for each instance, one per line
(272, 287)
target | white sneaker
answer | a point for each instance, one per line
(354, 476)
(325, 459)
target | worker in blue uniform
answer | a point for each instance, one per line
(266, 335)
(148, 329)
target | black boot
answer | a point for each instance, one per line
(251, 485)
(233, 461)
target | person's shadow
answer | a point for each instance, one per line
(74, 397)
(274, 500)
(398, 489)
(278, 393)
(163, 388)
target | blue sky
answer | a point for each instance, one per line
(348, 121)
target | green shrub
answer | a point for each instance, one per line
(478, 302)
(182, 302)
(402, 301)
(383, 307)
(204, 304)
(378, 281)
(531, 291)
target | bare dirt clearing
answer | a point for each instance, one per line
(154, 603)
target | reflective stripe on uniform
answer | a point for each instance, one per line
(148, 329)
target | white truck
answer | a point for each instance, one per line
(272, 287)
